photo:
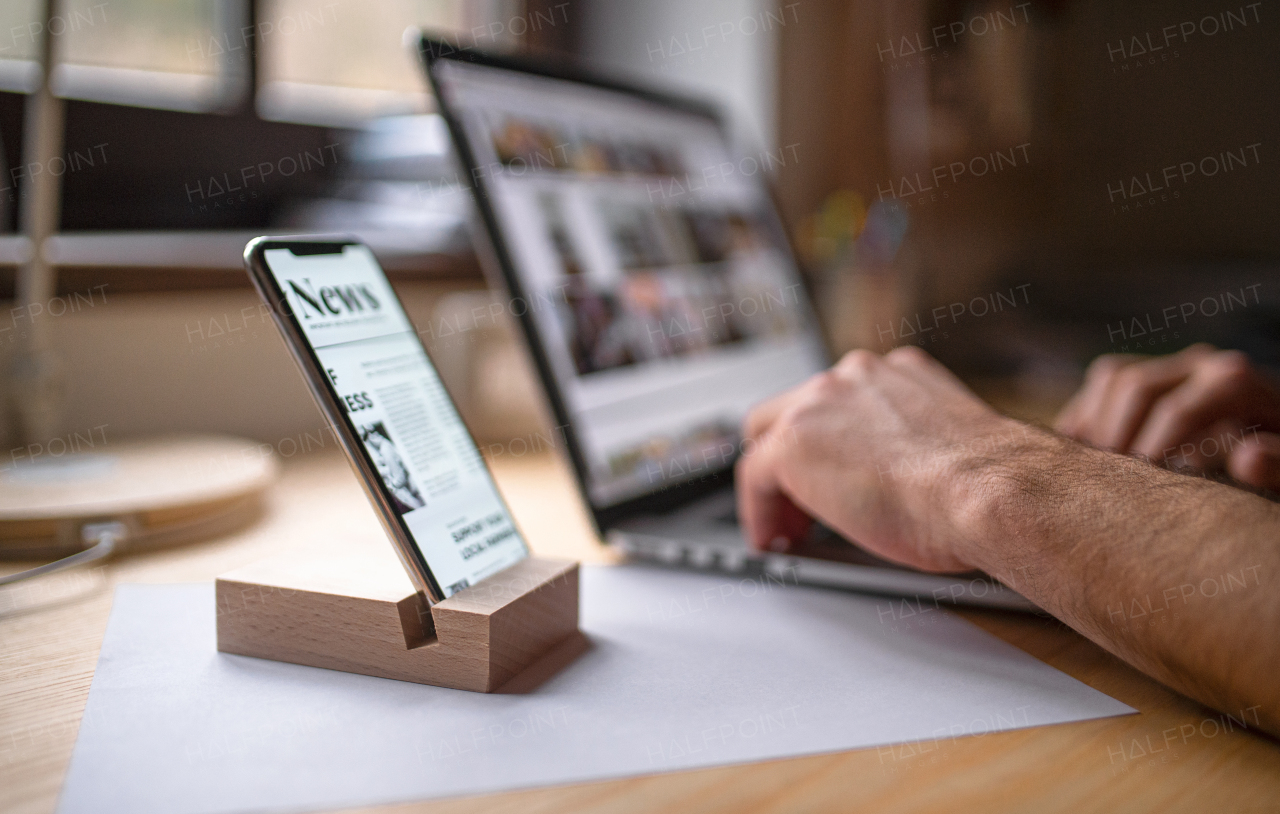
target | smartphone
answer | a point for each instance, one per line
(371, 376)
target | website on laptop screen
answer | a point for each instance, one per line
(657, 277)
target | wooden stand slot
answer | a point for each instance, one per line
(360, 614)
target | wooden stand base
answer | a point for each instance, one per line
(360, 614)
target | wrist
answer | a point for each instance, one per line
(995, 490)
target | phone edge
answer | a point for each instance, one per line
(424, 582)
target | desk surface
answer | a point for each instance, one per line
(1175, 756)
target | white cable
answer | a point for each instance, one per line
(104, 537)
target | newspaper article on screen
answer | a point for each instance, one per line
(435, 478)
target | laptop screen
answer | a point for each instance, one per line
(653, 267)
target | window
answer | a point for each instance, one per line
(20, 36)
(175, 54)
(329, 62)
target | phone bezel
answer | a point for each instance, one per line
(327, 397)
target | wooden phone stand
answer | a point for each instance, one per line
(360, 614)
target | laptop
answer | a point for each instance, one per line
(660, 299)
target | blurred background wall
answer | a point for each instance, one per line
(1028, 143)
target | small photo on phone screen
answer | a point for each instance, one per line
(404, 493)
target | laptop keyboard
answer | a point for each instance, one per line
(728, 518)
(818, 533)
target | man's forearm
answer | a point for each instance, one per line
(1171, 573)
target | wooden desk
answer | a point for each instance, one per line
(50, 634)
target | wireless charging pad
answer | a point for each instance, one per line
(165, 491)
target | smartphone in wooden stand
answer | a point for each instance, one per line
(482, 612)
(371, 376)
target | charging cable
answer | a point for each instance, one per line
(101, 538)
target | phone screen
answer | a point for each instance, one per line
(375, 366)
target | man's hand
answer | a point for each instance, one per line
(895, 453)
(878, 448)
(1202, 407)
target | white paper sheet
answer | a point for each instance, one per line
(685, 670)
